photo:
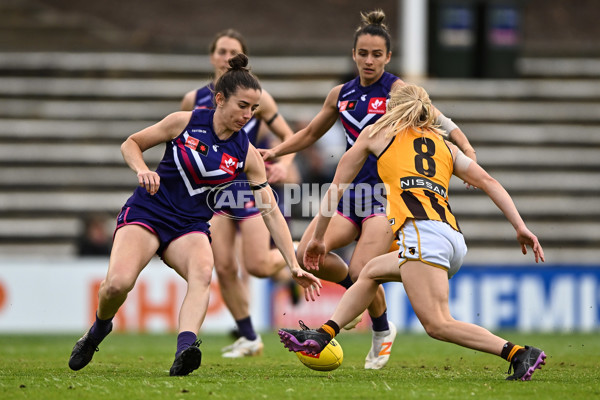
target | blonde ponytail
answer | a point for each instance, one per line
(408, 108)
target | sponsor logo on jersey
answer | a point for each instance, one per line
(191, 142)
(228, 164)
(215, 147)
(376, 105)
(195, 144)
(392, 221)
(417, 182)
(348, 93)
(363, 97)
(347, 105)
(202, 149)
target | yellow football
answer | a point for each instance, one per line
(329, 359)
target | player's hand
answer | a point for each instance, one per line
(149, 180)
(311, 284)
(315, 251)
(276, 172)
(267, 154)
(526, 238)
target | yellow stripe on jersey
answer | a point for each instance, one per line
(417, 167)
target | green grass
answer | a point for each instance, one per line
(136, 367)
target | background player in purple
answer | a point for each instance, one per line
(168, 213)
(360, 103)
(256, 255)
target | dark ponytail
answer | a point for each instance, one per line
(237, 76)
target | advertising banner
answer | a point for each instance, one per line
(47, 297)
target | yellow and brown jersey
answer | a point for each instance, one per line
(417, 168)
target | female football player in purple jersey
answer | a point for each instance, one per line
(361, 215)
(168, 213)
(256, 256)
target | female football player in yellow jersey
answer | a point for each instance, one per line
(357, 104)
(416, 162)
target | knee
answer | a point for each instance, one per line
(259, 265)
(354, 275)
(366, 272)
(259, 273)
(115, 287)
(226, 271)
(436, 329)
(200, 276)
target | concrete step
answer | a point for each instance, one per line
(69, 202)
(141, 89)
(163, 64)
(557, 67)
(314, 88)
(460, 111)
(97, 176)
(494, 156)
(66, 153)
(17, 129)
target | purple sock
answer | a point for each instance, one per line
(184, 340)
(380, 323)
(245, 328)
(347, 282)
(101, 328)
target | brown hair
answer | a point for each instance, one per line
(238, 75)
(231, 33)
(372, 24)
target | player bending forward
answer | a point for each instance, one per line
(416, 163)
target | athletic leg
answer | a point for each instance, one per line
(234, 288)
(191, 257)
(427, 289)
(375, 239)
(340, 233)
(133, 248)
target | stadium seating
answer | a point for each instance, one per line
(63, 116)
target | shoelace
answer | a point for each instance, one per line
(510, 367)
(303, 325)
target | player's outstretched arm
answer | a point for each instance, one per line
(265, 202)
(320, 124)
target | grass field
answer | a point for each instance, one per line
(136, 367)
